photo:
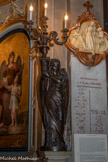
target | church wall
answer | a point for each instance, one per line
(56, 11)
(74, 9)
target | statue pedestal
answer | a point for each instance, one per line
(54, 148)
(58, 156)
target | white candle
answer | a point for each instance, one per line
(66, 21)
(45, 9)
(31, 11)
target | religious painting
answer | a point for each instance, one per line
(87, 39)
(14, 91)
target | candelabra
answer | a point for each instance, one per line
(53, 84)
(43, 39)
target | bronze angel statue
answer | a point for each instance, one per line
(10, 90)
(54, 94)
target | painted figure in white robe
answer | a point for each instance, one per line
(14, 100)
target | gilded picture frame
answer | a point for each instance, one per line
(15, 43)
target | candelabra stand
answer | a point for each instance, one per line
(53, 82)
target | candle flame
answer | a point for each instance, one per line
(31, 8)
(66, 17)
(46, 5)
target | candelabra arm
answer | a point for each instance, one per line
(43, 39)
(54, 36)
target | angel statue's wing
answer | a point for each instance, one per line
(2, 68)
(21, 66)
(3, 65)
(66, 93)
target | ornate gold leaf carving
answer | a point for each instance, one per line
(5, 2)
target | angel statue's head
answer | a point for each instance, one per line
(55, 66)
(11, 57)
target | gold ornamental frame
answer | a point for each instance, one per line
(5, 2)
(87, 58)
(14, 37)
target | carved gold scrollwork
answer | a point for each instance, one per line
(5, 2)
(15, 14)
